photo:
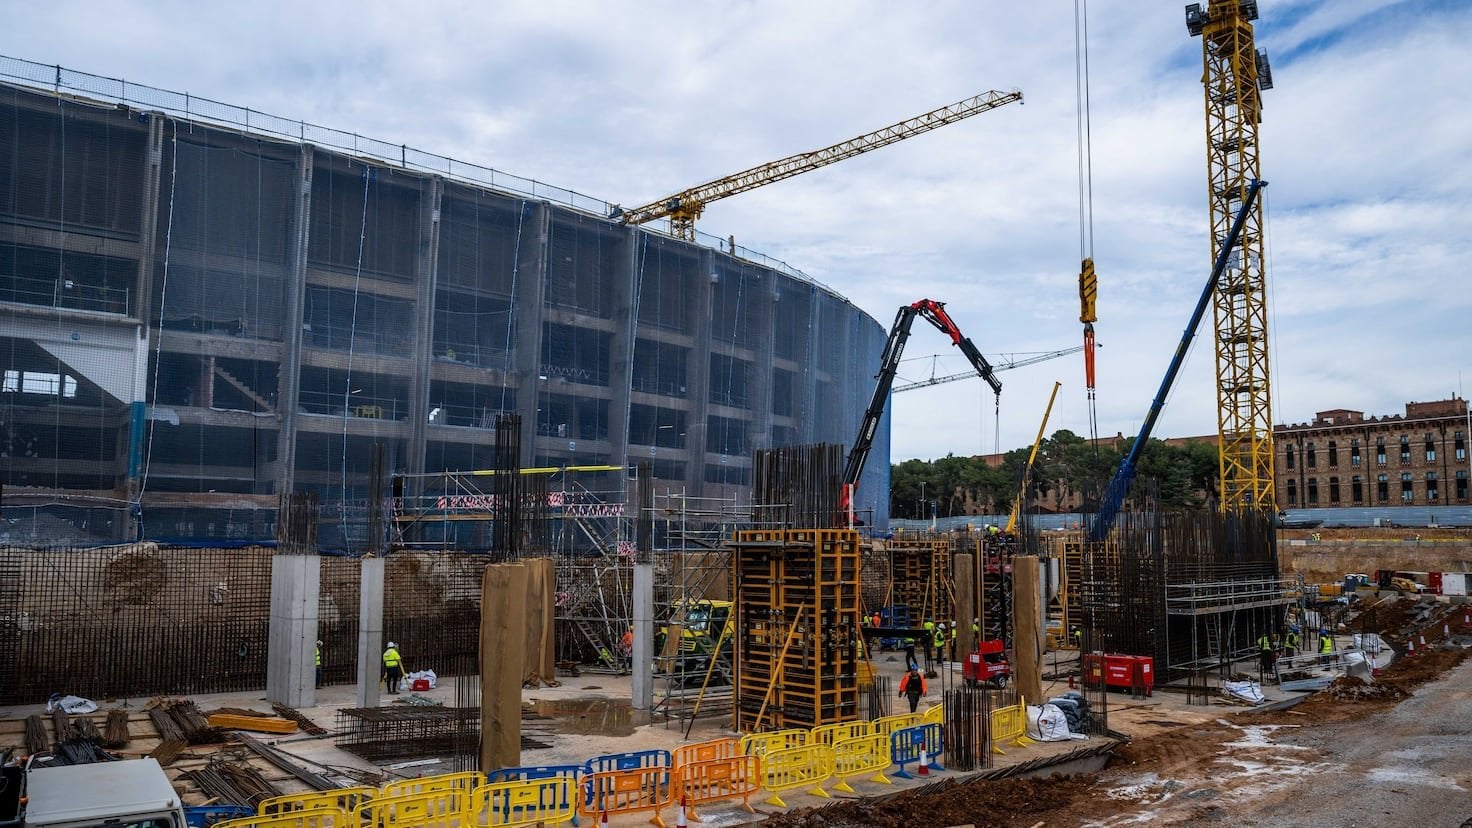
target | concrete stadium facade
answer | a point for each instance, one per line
(196, 317)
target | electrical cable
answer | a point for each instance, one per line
(347, 388)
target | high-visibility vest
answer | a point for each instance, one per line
(319, 656)
(1326, 644)
(391, 658)
(1292, 641)
(1263, 643)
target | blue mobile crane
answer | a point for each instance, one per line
(1113, 499)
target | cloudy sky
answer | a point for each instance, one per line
(1367, 143)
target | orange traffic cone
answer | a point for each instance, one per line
(680, 821)
(603, 819)
(924, 761)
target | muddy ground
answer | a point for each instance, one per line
(1396, 751)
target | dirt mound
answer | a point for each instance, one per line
(999, 804)
(1350, 688)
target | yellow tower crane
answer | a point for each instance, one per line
(1235, 74)
(684, 207)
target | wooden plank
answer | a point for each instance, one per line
(263, 724)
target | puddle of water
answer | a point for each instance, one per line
(600, 717)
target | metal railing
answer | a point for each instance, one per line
(66, 293)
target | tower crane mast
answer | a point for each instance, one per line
(684, 207)
(1235, 74)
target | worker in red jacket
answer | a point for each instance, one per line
(913, 686)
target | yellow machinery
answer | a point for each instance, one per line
(1027, 470)
(1235, 74)
(684, 207)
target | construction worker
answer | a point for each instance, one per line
(940, 641)
(1326, 646)
(1291, 642)
(1078, 637)
(393, 668)
(627, 646)
(929, 638)
(1265, 652)
(976, 628)
(319, 662)
(913, 686)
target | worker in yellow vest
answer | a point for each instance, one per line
(393, 668)
(319, 662)
(1326, 645)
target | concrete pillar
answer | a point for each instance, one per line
(621, 348)
(763, 313)
(643, 654)
(807, 416)
(291, 674)
(1027, 641)
(370, 631)
(697, 370)
(426, 270)
(531, 310)
(289, 372)
(965, 580)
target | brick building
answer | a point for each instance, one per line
(1344, 458)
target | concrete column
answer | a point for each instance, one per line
(643, 654)
(370, 631)
(141, 309)
(965, 580)
(697, 370)
(426, 268)
(531, 308)
(807, 381)
(1027, 641)
(764, 312)
(291, 674)
(621, 347)
(288, 373)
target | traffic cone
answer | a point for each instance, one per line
(603, 819)
(680, 821)
(924, 761)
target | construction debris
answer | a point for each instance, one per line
(305, 723)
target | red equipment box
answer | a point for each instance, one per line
(1120, 670)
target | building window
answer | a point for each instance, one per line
(1405, 450)
(1407, 489)
(1461, 445)
(1462, 486)
(1380, 451)
(1382, 488)
(1334, 491)
(1357, 489)
(1292, 493)
(1310, 456)
(1292, 453)
(1354, 453)
(1333, 454)
(1312, 490)
(1430, 448)
(1431, 488)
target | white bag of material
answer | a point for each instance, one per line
(1245, 690)
(422, 674)
(71, 704)
(1046, 723)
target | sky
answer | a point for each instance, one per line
(1366, 142)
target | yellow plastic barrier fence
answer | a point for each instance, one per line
(319, 818)
(797, 767)
(934, 715)
(448, 808)
(467, 781)
(835, 733)
(343, 799)
(712, 780)
(886, 725)
(531, 802)
(706, 751)
(626, 792)
(1010, 724)
(864, 754)
(761, 744)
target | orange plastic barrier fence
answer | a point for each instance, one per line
(528, 802)
(706, 751)
(834, 733)
(343, 799)
(712, 780)
(319, 818)
(467, 781)
(626, 792)
(886, 725)
(797, 767)
(760, 744)
(448, 808)
(864, 754)
(1009, 724)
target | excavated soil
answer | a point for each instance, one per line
(999, 804)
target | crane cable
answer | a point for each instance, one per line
(1087, 280)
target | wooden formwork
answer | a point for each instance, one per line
(797, 627)
(921, 573)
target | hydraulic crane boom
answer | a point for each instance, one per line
(1002, 365)
(1032, 458)
(935, 313)
(684, 207)
(1119, 486)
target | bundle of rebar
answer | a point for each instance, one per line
(168, 729)
(801, 483)
(303, 722)
(192, 723)
(232, 783)
(115, 734)
(36, 739)
(296, 523)
(85, 728)
(61, 725)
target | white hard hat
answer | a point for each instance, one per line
(392, 645)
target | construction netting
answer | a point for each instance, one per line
(205, 307)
